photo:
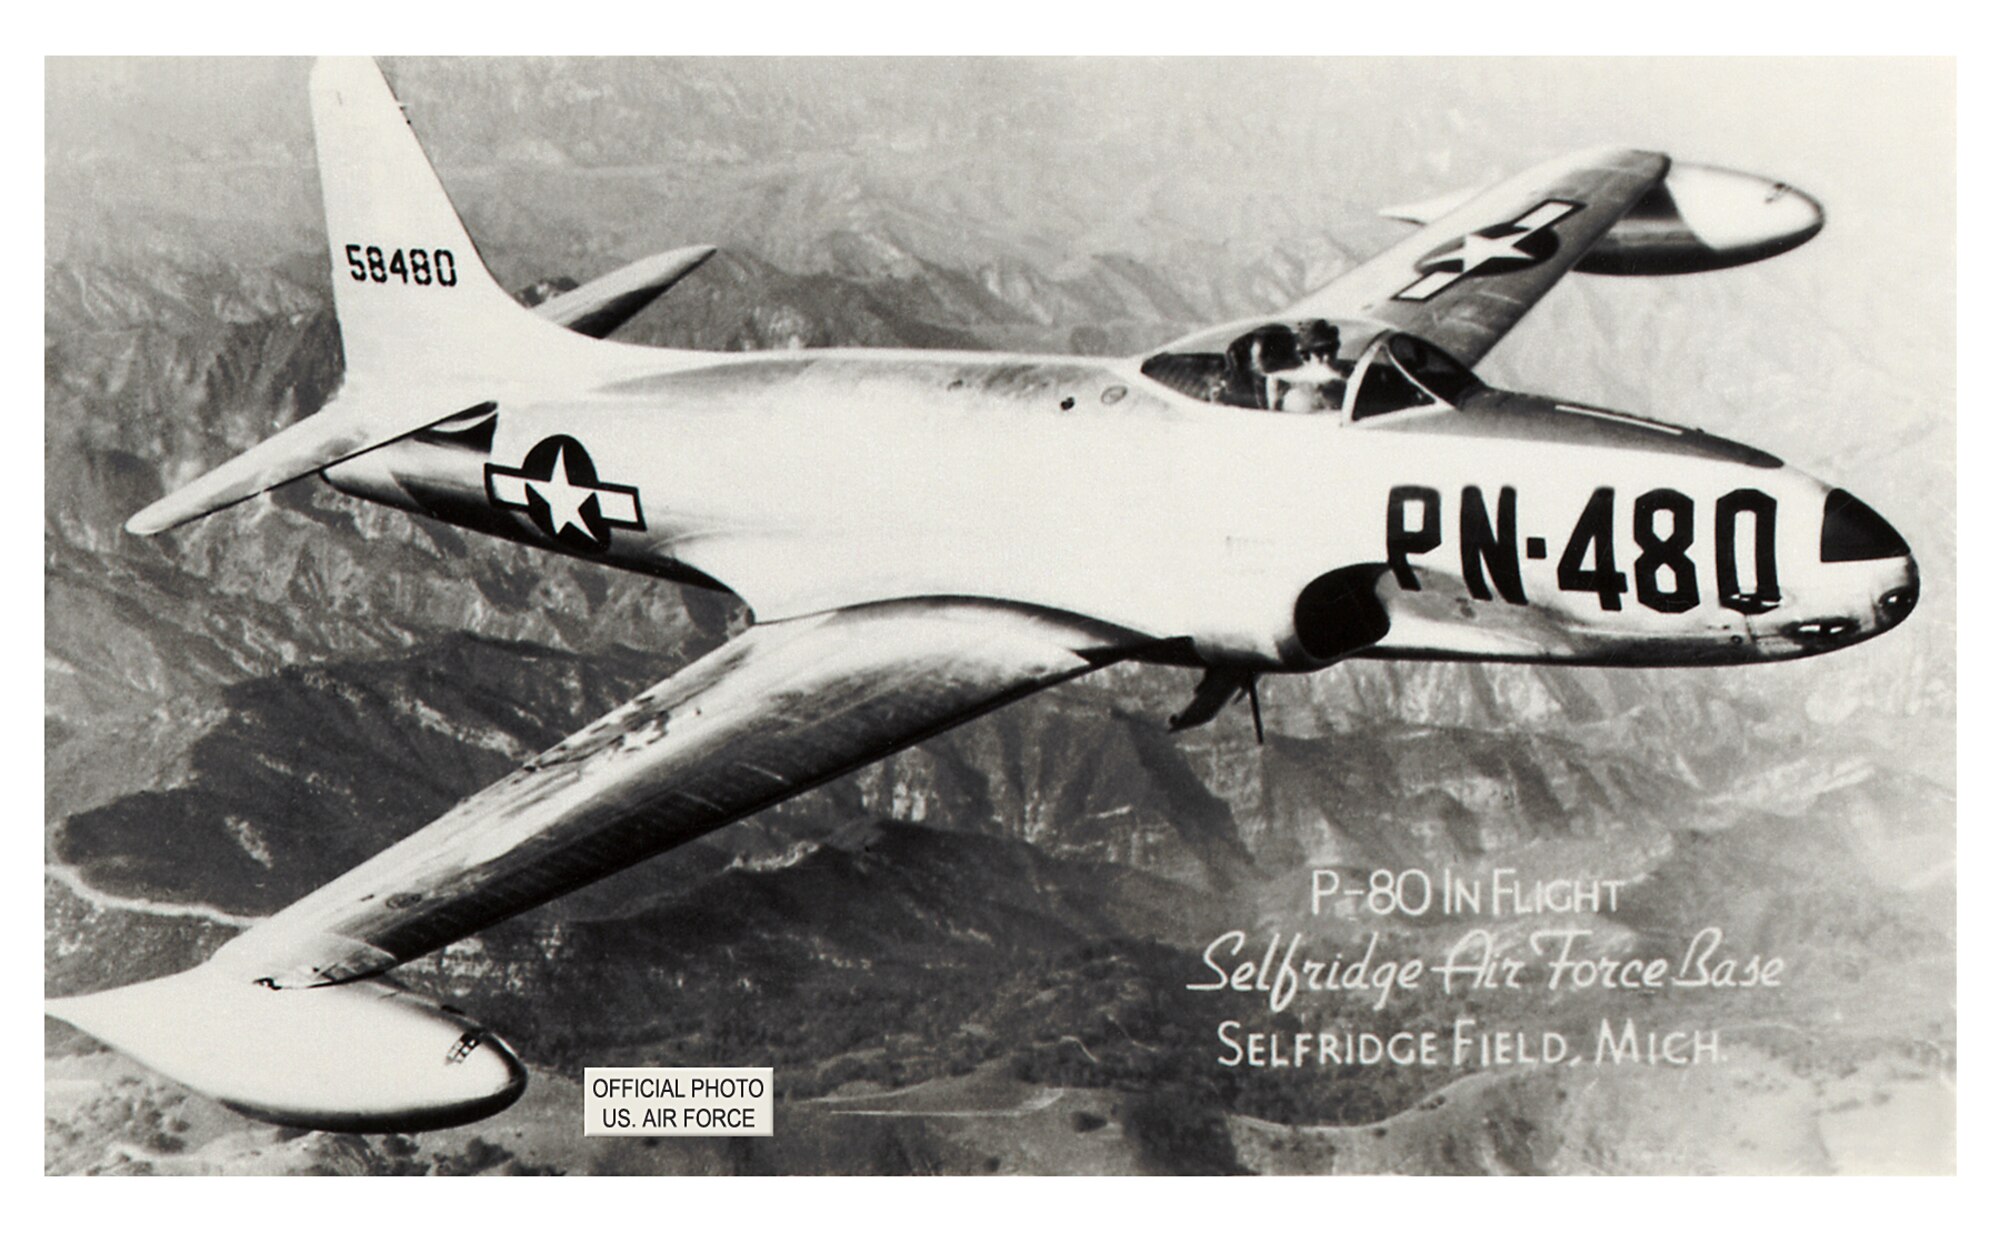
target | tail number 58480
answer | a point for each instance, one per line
(422, 267)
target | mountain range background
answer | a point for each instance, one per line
(971, 957)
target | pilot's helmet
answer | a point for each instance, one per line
(1276, 348)
(1319, 337)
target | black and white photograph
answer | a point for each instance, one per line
(972, 615)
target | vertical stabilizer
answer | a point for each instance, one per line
(408, 283)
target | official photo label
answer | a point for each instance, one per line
(677, 1101)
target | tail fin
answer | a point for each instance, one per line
(408, 282)
(426, 330)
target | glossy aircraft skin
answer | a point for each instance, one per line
(1133, 492)
(922, 537)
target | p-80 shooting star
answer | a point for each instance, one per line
(1068, 514)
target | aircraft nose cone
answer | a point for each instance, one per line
(1850, 531)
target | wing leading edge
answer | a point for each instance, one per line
(780, 709)
(1465, 280)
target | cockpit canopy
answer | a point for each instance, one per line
(1314, 367)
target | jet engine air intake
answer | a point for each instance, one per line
(1338, 613)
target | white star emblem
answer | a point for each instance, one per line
(557, 487)
(565, 500)
(1474, 252)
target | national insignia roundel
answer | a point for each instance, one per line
(556, 485)
(1500, 249)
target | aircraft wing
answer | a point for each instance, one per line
(292, 1021)
(1464, 280)
(780, 709)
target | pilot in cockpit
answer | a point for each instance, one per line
(1314, 384)
(1251, 362)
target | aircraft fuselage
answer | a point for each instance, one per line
(1511, 528)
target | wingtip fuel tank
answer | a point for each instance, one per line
(1704, 218)
(1698, 218)
(360, 1057)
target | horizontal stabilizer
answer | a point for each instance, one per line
(335, 434)
(603, 304)
(359, 1057)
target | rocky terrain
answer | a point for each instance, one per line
(973, 957)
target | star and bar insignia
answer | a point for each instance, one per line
(556, 485)
(1499, 249)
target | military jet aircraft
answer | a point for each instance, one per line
(1052, 515)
